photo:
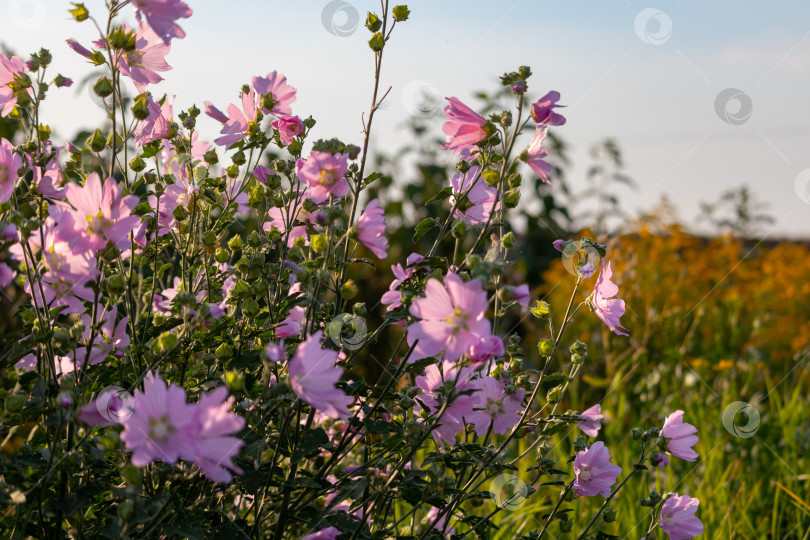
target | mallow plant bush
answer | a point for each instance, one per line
(188, 361)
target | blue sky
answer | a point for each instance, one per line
(656, 100)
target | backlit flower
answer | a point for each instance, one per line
(595, 474)
(607, 308)
(464, 127)
(591, 425)
(313, 375)
(371, 229)
(681, 436)
(678, 518)
(452, 318)
(324, 174)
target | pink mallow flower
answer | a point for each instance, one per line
(481, 199)
(107, 339)
(7, 275)
(101, 213)
(486, 348)
(288, 127)
(607, 308)
(275, 85)
(157, 125)
(464, 127)
(595, 474)
(681, 436)
(291, 326)
(330, 533)
(149, 56)
(591, 424)
(536, 153)
(9, 69)
(10, 163)
(543, 110)
(162, 16)
(48, 180)
(495, 407)
(215, 448)
(392, 297)
(452, 318)
(324, 174)
(240, 122)
(522, 295)
(112, 406)
(313, 375)
(461, 408)
(292, 219)
(678, 518)
(161, 424)
(371, 229)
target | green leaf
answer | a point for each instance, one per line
(163, 269)
(311, 441)
(424, 227)
(446, 192)
(372, 177)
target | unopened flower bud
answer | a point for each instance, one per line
(96, 142)
(166, 341)
(254, 240)
(373, 22)
(235, 242)
(545, 347)
(179, 213)
(348, 290)
(511, 198)
(319, 243)
(221, 255)
(209, 238)
(115, 284)
(210, 157)
(103, 87)
(508, 240)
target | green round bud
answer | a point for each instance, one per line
(545, 347)
(221, 255)
(209, 238)
(235, 242)
(235, 381)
